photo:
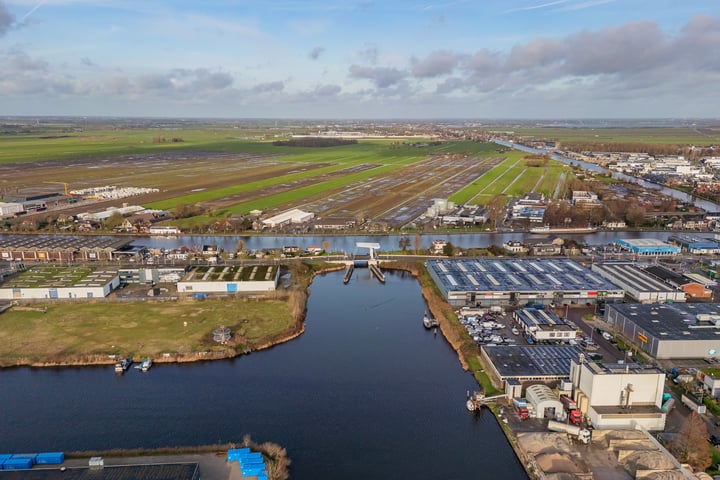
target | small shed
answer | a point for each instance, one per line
(543, 400)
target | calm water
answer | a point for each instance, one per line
(366, 392)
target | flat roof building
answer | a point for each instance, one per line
(619, 396)
(482, 281)
(50, 282)
(648, 246)
(696, 245)
(543, 325)
(669, 331)
(230, 279)
(60, 248)
(544, 363)
(639, 284)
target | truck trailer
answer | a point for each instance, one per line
(581, 434)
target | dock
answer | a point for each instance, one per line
(348, 272)
(375, 270)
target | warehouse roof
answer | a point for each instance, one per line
(629, 274)
(676, 321)
(532, 361)
(516, 275)
(61, 242)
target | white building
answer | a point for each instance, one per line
(96, 284)
(230, 279)
(618, 396)
(164, 230)
(295, 215)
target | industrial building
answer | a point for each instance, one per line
(47, 282)
(638, 284)
(543, 325)
(230, 279)
(544, 402)
(645, 247)
(696, 245)
(61, 248)
(669, 331)
(511, 365)
(618, 396)
(482, 281)
(294, 216)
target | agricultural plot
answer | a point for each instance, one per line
(383, 180)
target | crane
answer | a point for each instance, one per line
(67, 192)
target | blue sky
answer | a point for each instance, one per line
(361, 59)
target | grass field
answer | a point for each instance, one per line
(136, 329)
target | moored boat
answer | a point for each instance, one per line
(549, 229)
(123, 364)
(146, 364)
(429, 322)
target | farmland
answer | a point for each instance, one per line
(222, 172)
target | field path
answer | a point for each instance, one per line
(559, 185)
(537, 184)
(513, 181)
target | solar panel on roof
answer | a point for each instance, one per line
(472, 279)
(574, 266)
(573, 279)
(499, 266)
(557, 269)
(492, 280)
(519, 267)
(480, 267)
(451, 280)
(553, 280)
(461, 267)
(442, 267)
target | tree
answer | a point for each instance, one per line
(416, 243)
(691, 445)
(326, 246)
(239, 246)
(404, 243)
(448, 249)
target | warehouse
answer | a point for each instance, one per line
(619, 396)
(538, 363)
(696, 245)
(545, 403)
(518, 282)
(543, 325)
(48, 282)
(60, 248)
(295, 216)
(648, 247)
(230, 279)
(669, 331)
(639, 284)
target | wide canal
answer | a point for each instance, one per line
(365, 392)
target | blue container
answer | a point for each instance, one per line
(17, 464)
(30, 456)
(247, 466)
(251, 455)
(252, 472)
(50, 458)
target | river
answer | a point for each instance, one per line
(706, 205)
(365, 392)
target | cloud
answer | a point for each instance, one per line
(6, 19)
(382, 77)
(87, 62)
(316, 52)
(436, 64)
(326, 90)
(369, 55)
(268, 87)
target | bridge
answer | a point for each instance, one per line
(369, 260)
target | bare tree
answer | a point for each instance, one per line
(691, 445)
(416, 243)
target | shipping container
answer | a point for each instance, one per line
(519, 402)
(17, 463)
(30, 456)
(50, 458)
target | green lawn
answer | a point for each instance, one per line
(138, 329)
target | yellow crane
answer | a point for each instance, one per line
(64, 184)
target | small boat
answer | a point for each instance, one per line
(146, 364)
(515, 331)
(429, 322)
(123, 365)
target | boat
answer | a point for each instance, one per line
(146, 364)
(122, 365)
(549, 229)
(429, 322)
(515, 331)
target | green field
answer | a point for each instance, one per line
(67, 331)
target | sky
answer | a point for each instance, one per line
(361, 59)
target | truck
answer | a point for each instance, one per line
(523, 413)
(574, 415)
(581, 434)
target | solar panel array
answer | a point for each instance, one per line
(532, 361)
(8, 242)
(516, 275)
